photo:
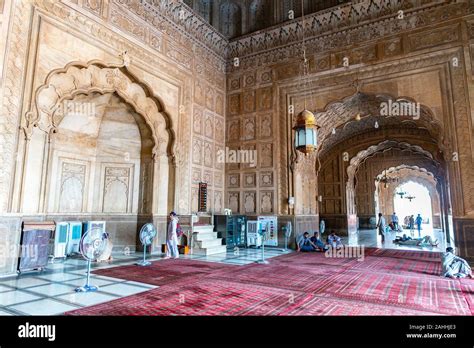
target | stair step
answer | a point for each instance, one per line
(205, 236)
(210, 251)
(203, 244)
(203, 228)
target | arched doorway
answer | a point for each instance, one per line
(387, 193)
(358, 143)
(104, 147)
(416, 201)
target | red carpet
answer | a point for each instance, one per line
(384, 283)
(404, 254)
(165, 271)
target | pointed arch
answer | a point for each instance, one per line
(96, 76)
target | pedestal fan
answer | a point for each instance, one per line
(264, 232)
(147, 233)
(92, 245)
(322, 227)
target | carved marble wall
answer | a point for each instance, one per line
(206, 102)
(62, 50)
(251, 127)
(208, 137)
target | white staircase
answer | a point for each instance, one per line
(205, 241)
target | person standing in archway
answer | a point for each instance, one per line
(381, 227)
(172, 238)
(411, 224)
(395, 221)
(418, 222)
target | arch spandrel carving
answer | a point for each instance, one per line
(388, 144)
(340, 115)
(421, 170)
(95, 76)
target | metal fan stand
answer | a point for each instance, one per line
(286, 243)
(264, 238)
(287, 230)
(88, 287)
(144, 262)
(263, 261)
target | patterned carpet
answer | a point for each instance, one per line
(384, 283)
(165, 271)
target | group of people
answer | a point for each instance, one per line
(314, 243)
(394, 225)
(453, 266)
(410, 222)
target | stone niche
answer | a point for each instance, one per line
(101, 165)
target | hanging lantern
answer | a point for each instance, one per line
(306, 132)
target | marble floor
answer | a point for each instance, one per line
(51, 292)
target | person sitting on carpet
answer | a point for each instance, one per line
(334, 241)
(454, 266)
(426, 240)
(305, 244)
(318, 242)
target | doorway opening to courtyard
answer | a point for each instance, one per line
(359, 148)
(413, 199)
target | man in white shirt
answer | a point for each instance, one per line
(454, 266)
(172, 238)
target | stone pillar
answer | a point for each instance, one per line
(10, 232)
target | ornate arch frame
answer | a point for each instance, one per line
(359, 158)
(95, 76)
(433, 186)
(426, 118)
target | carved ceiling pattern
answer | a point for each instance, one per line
(336, 29)
(167, 14)
(236, 17)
